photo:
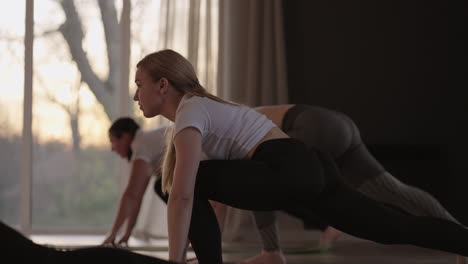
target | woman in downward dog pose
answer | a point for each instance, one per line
(255, 166)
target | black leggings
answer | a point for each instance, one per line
(283, 174)
(24, 251)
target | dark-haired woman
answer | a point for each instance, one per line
(144, 149)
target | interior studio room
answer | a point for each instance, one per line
(233, 131)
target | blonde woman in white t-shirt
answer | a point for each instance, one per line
(253, 165)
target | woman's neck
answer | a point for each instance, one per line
(173, 101)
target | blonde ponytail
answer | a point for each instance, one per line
(169, 161)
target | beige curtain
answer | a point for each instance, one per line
(252, 71)
(189, 27)
(252, 61)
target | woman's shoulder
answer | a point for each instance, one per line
(194, 105)
(189, 101)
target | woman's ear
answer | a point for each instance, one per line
(163, 85)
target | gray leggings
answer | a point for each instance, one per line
(335, 133)
(389, 190)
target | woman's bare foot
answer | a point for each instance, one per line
(329, 236)
(266, 257)
(461, 259)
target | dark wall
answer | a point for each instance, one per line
(398, 69)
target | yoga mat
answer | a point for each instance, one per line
(287, 251)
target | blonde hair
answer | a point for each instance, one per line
(181, 74)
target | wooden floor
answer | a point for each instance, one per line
(346, 251)
(363, 252)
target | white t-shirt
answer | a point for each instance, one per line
(228, 131)
(150, 146)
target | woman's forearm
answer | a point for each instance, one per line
(132, 197)
(179, 212)
(133, 210)
(128, 211)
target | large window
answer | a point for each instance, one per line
(77, 91)
(75, 176)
